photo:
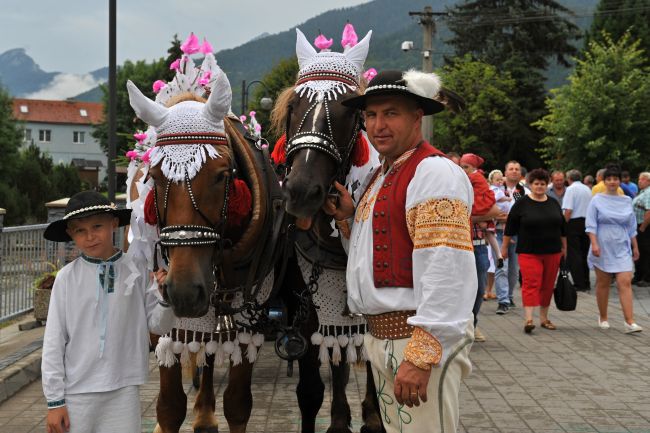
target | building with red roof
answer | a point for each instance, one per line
(63, 129)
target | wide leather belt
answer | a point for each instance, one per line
(390, 326)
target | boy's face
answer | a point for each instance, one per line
(93, 235)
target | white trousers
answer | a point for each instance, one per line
(105, 412)
(440, 413)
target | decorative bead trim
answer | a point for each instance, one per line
(327, 76)
(387, 86)
(423, 350)
(96, 261)
(89, 208)
(193, 138)
(56, 404)
(179, 235)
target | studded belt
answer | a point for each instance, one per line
(390, 326)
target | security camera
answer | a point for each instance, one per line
(407, 45)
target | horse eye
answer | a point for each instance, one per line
(220, 177)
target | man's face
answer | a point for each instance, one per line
(513, 172)
(393, 124)
(643, 182)
(93, 235)
(558, 180)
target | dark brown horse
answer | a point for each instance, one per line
(320, 140)
(214, 246)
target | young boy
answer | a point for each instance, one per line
(96, 344)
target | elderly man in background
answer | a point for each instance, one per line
(641, 205)
(557, 188)
(575, 203)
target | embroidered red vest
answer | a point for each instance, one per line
(392, 245)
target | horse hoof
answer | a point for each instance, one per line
(214, 429)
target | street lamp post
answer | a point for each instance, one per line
(266, 103)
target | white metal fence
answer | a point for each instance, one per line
(24, 257)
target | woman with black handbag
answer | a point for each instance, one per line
(539, 225)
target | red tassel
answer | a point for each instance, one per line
(150, 216)
(279, 155)
(361, 151)
(240, 202)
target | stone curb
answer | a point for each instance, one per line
(20, 374)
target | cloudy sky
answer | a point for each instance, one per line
(71, 36)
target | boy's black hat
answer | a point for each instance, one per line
(81, 205)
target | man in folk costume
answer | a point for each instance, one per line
(411, 268)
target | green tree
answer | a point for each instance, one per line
(519, 37)
(282, 75)
(603, 113)
(480, 128)
(616, 17)
(11, 135)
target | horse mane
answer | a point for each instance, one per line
(185, 96)
(281, 107)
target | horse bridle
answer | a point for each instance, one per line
(189, 235)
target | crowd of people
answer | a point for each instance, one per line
(545, 218)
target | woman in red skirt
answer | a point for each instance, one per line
(539, 225)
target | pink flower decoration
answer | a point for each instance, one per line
(205, 79)
(370, 74)
(206, 48)
(176, 65)
(258, 128)
(349, 38)
(140, 136)
(132, 154)
(191, 44)
(146, 158)
(322, 43)
(252, 114)
(242, 118)
(158, 85)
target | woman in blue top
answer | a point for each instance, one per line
(611, 227)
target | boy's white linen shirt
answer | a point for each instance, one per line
(444, 278)
(71, 362)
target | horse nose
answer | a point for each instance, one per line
(304, 192)
(190, 301)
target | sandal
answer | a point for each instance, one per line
(547, 324)
(529, 326)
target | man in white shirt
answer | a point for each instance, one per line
(411, 268)
(575, 203)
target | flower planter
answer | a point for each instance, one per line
(41, 303)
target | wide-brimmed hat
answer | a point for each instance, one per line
(81, 205)
(425, 88)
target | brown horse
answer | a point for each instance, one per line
(216, 249)
(320, 137)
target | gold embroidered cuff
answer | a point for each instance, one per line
(344, 228)
(423, 350)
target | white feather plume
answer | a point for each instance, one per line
(424, 84)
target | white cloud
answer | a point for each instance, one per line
(65, 86)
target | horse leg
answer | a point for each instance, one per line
(204, 419)
(171, 406)
(340, 412)
(237, 398)
(310, 389)
(370, 406)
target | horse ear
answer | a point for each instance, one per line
(149, 111)
(304, 50)
(358, 53)
(218, 104)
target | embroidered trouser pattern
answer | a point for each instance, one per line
(440, 413)
(105, 412)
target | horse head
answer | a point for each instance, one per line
(192, 167)
(320, 133)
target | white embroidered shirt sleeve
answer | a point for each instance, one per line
(54, 343)
(438, 205)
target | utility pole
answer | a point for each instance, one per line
(112, 97)
(428, 30)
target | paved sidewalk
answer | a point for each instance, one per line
(576, 379)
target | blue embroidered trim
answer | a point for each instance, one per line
(55, 404)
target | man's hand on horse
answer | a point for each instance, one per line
(340, 207)
(411, 384)
(58, 420)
